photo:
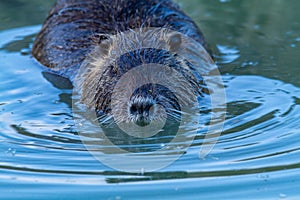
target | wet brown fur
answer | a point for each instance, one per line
(74, 28)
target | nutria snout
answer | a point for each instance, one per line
(141, 111)
(150, 102)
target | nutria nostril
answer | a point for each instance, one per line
(143, 108)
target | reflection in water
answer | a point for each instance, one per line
(18, 13)
(266, 33)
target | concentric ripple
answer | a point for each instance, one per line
(259, 147)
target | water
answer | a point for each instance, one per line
(257, 156)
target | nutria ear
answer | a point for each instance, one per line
(174, 41)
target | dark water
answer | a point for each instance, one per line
(256, 44)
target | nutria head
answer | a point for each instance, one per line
(141, 99)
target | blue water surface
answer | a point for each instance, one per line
(257, 155)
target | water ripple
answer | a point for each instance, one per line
(38, 137)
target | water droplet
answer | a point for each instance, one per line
(25, 51)
(256, 27)
(215, 158)
(249, 63)
(142, 171)
(282, 195)
(11, 152)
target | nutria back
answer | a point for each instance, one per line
(73, 27)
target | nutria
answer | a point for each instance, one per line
(75, 28)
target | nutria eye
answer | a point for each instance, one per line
(103, 37)
(98, 38)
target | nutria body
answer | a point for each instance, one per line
(75, 28)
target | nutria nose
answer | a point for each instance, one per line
(141, 113)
